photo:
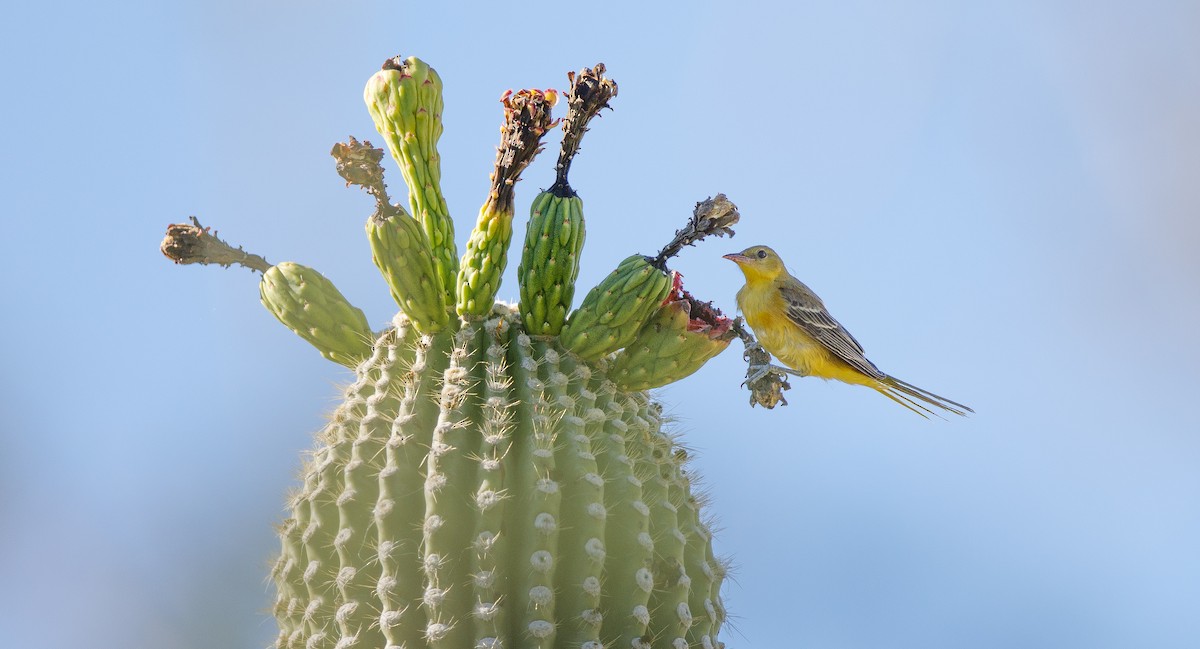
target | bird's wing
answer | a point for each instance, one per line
(806, 311)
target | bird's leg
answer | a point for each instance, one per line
(757, 371)
(760, 364)
(765, 381)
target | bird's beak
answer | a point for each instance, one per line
(735, 257)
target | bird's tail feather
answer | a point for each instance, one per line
(908, 395)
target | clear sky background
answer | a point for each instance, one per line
(999, 199)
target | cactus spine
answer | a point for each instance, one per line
(490, 480)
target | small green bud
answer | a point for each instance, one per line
(310, 305)
(612, 313)
(402, 253)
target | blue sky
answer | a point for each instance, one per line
(997, 198)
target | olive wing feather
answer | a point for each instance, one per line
(806, 311)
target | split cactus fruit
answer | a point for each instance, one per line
(497, 477)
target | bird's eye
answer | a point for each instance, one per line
(762, 254)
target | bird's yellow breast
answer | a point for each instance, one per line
(766, 312)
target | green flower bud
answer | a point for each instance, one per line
(614, 311)
(310, 305)
(405, 102)
(402, 253)
(526, 120)
(678, 340)
(550, 262)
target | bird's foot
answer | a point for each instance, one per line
(756, 373)
(765, 381)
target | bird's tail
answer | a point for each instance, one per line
(913, 398)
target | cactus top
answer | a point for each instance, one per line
(497, 476)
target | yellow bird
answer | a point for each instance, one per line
(792, 323)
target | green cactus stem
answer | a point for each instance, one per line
(582, 530)
(491, 481)
(405, 102)
(555, 234)
(526, 120)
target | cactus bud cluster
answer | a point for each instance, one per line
(497, 477)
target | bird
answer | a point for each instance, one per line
(792, 323)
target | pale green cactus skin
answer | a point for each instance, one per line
(401, 252)
(480, 488)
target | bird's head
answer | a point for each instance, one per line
(758, 262)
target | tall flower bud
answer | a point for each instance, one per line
(526, 120)
(555, 234)
(405, 102)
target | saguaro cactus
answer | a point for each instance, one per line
(497, 477)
